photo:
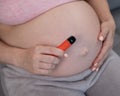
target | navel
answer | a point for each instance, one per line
(83, 51)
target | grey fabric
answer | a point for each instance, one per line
(18, 82)
(114, 4)
(117, 44)
(116, 15)
(109, 82)
(1, 90)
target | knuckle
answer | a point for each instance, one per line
(37, 70)
(51, 59)
(60, 52)
(56, 51)
(56, 61)
(48, 66)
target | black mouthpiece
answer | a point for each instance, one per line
(71, 39)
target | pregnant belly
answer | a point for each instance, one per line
(53, 27)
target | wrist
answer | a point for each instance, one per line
(108, 18)
(5, 29)
(18, 57)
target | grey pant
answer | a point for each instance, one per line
(109, 82)
(17, 82)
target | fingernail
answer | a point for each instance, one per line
(65, 55)
(101, 38)
(97, 70)
(94, 68)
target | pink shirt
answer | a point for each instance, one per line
(13, 12)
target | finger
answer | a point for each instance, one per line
(49, 59)
(45, 66)
(103, 34)
(94, 66)
(101, 56)
(50, 51)
(42, 72)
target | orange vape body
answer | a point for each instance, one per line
(67, 43)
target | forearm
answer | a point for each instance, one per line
(9, 54)
(4, 29)
(15, 35)
(102, 9)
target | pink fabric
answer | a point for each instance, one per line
(13, 12)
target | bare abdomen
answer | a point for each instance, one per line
(53, 27)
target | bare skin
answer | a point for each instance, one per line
(52, 28)
(107, 30)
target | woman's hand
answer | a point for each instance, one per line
(106, 36)
(40, 59)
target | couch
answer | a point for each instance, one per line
(109, 82)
